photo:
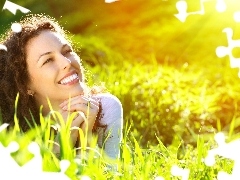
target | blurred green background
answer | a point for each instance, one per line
(164, 71)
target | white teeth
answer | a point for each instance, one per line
(69, 79)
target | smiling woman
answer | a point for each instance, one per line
(41, 66)
(49, 55)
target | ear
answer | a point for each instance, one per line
(30, 92)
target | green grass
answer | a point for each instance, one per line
(155, 139)
(134, 163)
(167, 101)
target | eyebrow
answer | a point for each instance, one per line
(44, 54)
(47, 53)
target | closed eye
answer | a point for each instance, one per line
(47, 61)
(68, 51)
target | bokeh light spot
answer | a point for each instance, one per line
(159, 178)
(221, 6)
(110, 1)
(236, 16)
(16, 27)
(209, 160)
(85, 177)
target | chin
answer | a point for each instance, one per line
(77, 92)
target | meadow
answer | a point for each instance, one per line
(176, 93)
(159, 133)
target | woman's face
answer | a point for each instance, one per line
(54, 69)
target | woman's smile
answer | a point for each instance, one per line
(69, 79)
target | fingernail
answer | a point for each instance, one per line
(85, 98)
(64, 107)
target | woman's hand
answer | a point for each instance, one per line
(86, 110)
(77, 121)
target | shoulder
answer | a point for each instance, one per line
(108, 99)
(111, 108)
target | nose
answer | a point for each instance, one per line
(64, 62)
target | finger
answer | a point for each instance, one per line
(97, 99)
(85, 100)
(92, 103)
(76, 100)
(87, 125)
(80, 105)
(73, 100)
(87, 109)
(78, 119)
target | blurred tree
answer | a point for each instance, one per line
(2, 2)
(141, 31)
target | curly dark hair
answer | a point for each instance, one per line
(14, 76)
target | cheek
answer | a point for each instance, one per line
(33, 82)
(31, 76)
(32, 73)
(37, 79)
